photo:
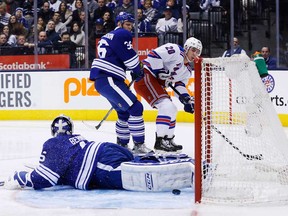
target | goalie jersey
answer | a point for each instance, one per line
(72, 160)
(115, 56)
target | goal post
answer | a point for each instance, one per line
(241, 149)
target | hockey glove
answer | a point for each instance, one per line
(18, 180)
(188, 103)
(138, 75)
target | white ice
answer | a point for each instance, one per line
(21, 143)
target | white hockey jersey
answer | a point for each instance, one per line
(167, 63)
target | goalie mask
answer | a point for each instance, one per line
(62, 124)
(193, 43)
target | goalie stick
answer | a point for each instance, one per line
(107, 114)
(247, 156)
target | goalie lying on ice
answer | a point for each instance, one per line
(70, 159)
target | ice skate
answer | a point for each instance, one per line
(123, 145)
(163, 145)
(141, 149)
(177, 147)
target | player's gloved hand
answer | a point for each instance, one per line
(17, 181)
(137, 76)
(169, 81)
(163, 74)
(188, 103)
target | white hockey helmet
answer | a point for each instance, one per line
(62, 124)
(193, 42)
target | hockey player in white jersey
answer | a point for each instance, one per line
(70, 159)
(164, 66)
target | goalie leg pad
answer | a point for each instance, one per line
(163, 176)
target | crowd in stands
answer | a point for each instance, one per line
(59, 18)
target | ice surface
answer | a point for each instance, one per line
(21, 143)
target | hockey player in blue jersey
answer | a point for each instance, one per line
(116, 56)
(70, 159)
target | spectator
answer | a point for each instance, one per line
(51, 33)
(12, 5)
(11, 37)
(44, 44)
(92, 6)
(112, 4)
(269, 60)
(77, 35)
(81, 21)
(236, 49)
(4, 45)
(206, 4)
(46, 12)
(66, 46)
(143, 24)
(149, 12)
(180, 19)
(126, 6)
(16, 28)
(99, 12)
(54, 5)
(168, 23)
(65, 14)
(108, 24)
(99, 28)
(159, 4)
(41, 23)
(4, 15)
(20, 18)
(174, 8)
(71, 4)
(96, 33)
(60, 27)
(76, 13)
(22, 47)
(28, 10)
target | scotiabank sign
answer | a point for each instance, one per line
(145, 45)
(26, 62)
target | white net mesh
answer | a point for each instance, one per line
(244, 145)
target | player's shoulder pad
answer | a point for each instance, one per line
(121, 33)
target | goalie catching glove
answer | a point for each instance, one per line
(188, 103)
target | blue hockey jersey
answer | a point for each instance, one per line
(72, 160)
(115, 56)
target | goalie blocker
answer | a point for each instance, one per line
(167, 174)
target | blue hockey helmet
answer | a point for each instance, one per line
(124, 17)
(62, 124)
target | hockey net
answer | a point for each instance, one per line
(241, 149)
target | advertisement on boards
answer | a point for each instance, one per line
(26, 62)
(145, 45)
(52, 90)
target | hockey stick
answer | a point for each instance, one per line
(108, 113)
(247, 156)
(1, 183)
